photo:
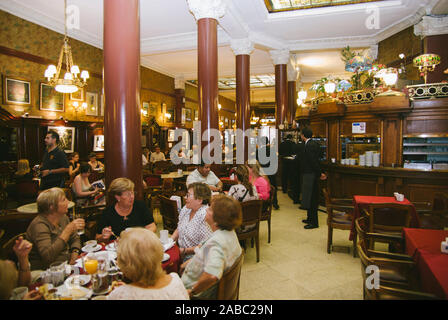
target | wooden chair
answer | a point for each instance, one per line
(7, 252)
(250, 226)
(15, 223)
(160, 167)
(27, 191)
(389, 293)
(170, 214)
(339, 216)
(437, 216)
(266, 211)
(388, 218)
(92, 222)
(229, 285)
(154, 188)
(393, 272)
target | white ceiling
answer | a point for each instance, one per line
(169, 32)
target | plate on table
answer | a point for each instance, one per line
(83, 280)
(78, 293)
(111, 246)
(89, 248)
(166, 257)
(168, 245)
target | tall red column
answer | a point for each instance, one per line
(122, 124)
(292, 101)
(206, 13)
(242, 49)
(179, 92)
(280, 58)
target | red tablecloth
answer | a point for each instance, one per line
(424, 246)
(362, 202)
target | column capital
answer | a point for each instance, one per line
(242, 46)
(214, 9)
(431, 26)
(292, 74)
(179, 82)
(373, 52)
(279, 56)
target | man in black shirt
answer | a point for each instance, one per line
(54, 167)
(265, 149)
(286, 149)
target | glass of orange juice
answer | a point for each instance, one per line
(90, 265)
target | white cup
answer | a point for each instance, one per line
(179, 172)
(164, 236)
(333, 160)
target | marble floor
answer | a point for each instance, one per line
(295, 265)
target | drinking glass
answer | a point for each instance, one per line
(90, 265)
(79, 216)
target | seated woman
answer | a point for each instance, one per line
(124, 212)
(139, 257)
(23, 172)
(260, 182)
(54, 237)
(216, 254)
(73, 165)
(95, 164)
(192, 228)
(82, 189)
(11, 278)
(244, 190)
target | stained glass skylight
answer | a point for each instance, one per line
(286, 5)
(258, 81)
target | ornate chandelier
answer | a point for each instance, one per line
(70, 83)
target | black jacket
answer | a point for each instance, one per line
(286, 148)
(309, 160)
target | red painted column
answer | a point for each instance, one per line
(208, 76)
(438, 45)
(292, 101)
(122, 124)
(281, 93)
(243, 96)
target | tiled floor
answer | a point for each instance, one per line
(295, 265)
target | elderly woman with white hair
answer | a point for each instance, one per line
(139, 257)
(54, 237)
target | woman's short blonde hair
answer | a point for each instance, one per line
(8, 279)
(23, 167)
(48, 200)
(118, 186)
(139, 256)
(227, 212)
(201, 191)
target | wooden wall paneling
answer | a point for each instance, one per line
(422, 192)
(319, 128)
(391, 142)
(357, 185)
(333, 141)
(373, 125)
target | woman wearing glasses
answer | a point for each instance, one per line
(192, 228)
(125, 211)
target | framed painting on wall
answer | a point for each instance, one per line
(183, 115)
(152, 109)
(188, 114)
(92, 103)
(98, 143)
(16, 91)
(170, 111)
(78, 95)
(50, 99)
(196, 115)
(66, 138)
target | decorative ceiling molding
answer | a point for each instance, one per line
(148, 63)
(201, 9)
(431, 26)
(242, 46)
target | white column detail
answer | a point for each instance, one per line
(242, 46)
(431, 26)
(214, 9)
(179, 82)
(279, 56)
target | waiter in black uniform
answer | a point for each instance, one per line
(54, 167)
(311, 173)
(286, 149)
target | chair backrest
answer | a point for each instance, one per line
(92, 220)
(360, 226)
(251, 212)
(440, 202)
(229, 285)
(153, 180)
(365, 262)
(16, 223)
(390, 293)
(27, 189)
(389, 217)
(160, 167)
(267, 204)
(169, 212)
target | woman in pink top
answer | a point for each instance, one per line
(259, 181)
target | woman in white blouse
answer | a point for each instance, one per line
(192, 229)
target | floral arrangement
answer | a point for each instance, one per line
(361, 65)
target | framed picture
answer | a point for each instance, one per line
(98, 143)
(78, 95)
(170, 110)
(102, 103)
(152, 109)
(188, 114)
(92, 103)
(170, 135)
(226, 122)
(66, 138)
(16, 91)
(50, 99)
(183, 115)
(196, 115)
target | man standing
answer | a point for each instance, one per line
(311, 173)
(54, 164)
(286, 149)
(157, 156)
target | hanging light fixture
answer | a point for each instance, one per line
(70, 83)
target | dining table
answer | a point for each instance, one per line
(32, 207)
(424, 246)
(175, 175)
(363, 202)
